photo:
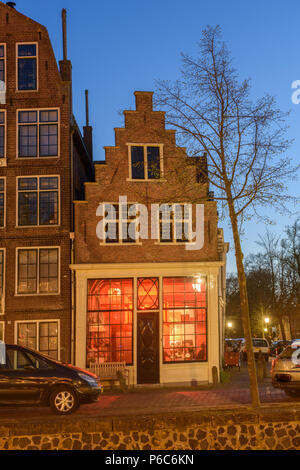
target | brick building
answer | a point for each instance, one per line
(157, 302)
(43, 163)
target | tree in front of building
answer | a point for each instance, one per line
(243, 142)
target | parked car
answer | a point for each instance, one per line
(278, 346)
(30, 378)
(259, 344)
(285, 370)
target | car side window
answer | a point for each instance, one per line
(39, 362)
(16, 360)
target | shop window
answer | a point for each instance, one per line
(1, 282)
(148, 297)
(184, 320)
(39, 335)
(110, 321)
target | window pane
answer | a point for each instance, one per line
(27, 208)
(184, 324)
(48, 282)
(27, 271)
(49, 183)
(27, 50)
(148, 294)
(137, 163)
(27, 335)
(48, 116)
(110, 331)
(27, 116)
(48, 140)
(27, 74)
(27, 141)
(27, 183)
(2, 141)
(48, 209)
(153, 156)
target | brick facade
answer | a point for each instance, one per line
(180, 180)
(53, 91)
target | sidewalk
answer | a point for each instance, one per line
(145, 401)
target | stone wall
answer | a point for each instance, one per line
(236, 429)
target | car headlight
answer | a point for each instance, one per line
(88, 378)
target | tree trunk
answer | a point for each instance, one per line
(244, 306)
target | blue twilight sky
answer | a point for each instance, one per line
(117, 47)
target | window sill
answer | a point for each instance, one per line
(173, 243)
(36, 226)
(158, 180)
(120, 244)
(37, 158)
(37, 295)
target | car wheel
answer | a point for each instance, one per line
(292, 393)
(63, 401)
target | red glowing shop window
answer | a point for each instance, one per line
(109, 320)
(148, 293)
(184, 319)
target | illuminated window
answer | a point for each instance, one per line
(1, 282)
(27, 66)
(184, 319)
(39, 335)
(2, 74)
(148, 294)
(109, 321)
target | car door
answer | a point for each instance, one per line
(21, 382)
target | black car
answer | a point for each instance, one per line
(30, 378)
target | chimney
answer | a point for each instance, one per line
(11, 4)
(88, 130)
(65, 64)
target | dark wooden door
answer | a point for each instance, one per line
(147, 348)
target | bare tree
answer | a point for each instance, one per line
(243, 141)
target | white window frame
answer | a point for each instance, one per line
(145, 145)
(29, 57)
(38, 123)
(38, 206)
(172, 220)
(119, 222)
(34, 294)
(4, 202)
(2, 301)
(37, 323)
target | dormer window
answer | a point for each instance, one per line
(27, 67)
(145, 162)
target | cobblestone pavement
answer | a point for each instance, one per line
(146, 400)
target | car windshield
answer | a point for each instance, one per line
(260, 343)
